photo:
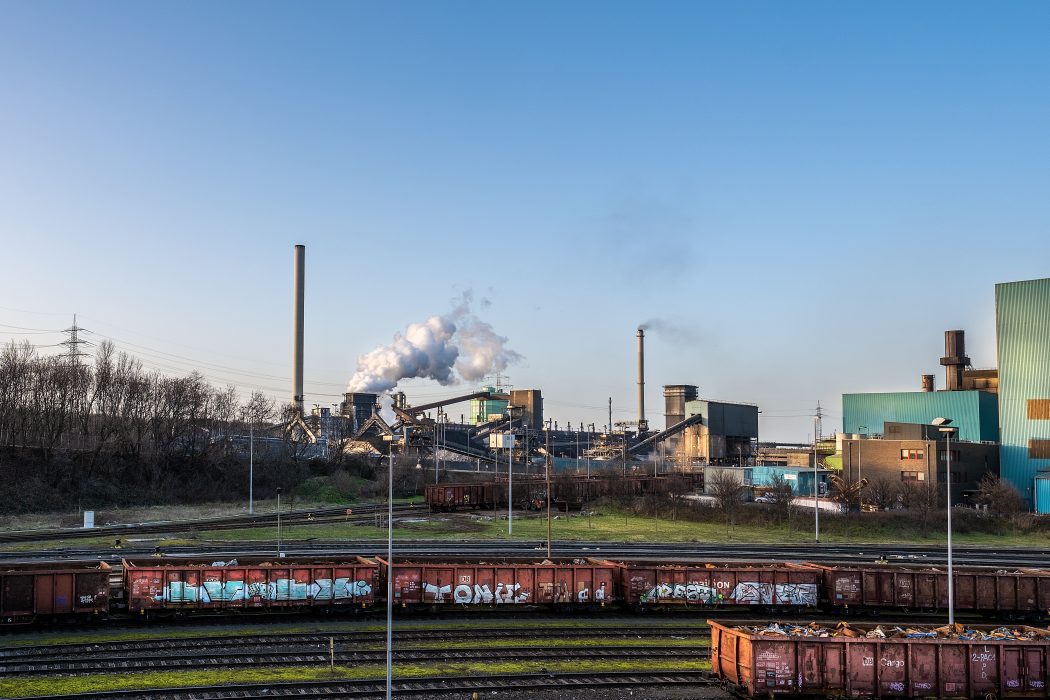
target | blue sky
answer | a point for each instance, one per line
(813, 192)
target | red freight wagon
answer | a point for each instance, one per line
(504, 583)
(704, 584)
(976, 587)
(450, 497)
(836, 666)
(174, 585)
(31, 592)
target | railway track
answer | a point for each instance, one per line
(592, 643)
(902, 554)
(435, 686)
(362, 512)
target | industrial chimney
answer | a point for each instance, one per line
(297, 350)
(927, 382)
(955, 359)
(643, 425)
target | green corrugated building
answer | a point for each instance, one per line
(974, 413)
(1022, 311)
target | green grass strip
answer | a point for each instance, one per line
(15, 688)
(321, 628)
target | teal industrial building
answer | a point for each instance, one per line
(1022, 311)
(1009, 406)
(974, 413)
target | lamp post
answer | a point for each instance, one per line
(279, 554)
(510, 473)
(942, 426)
(251, 468)
(390, 567)
(816, 488)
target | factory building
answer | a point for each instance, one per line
(918, 453)
(1022, 311)
(974, 413)
(485, 409)
(530, 403)
(359, 406)
(727, 433)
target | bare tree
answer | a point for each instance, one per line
(728, 491)
(678, 485)
(883, 493)
(1002, 498)
(781, 494)
(847, 492)
(923, 497)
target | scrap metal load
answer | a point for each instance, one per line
(845, 629)
(877, 661)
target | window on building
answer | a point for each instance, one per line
(913, 454)
(942, 475)
(913, 476)
(943, 455)
(1039, 449)
(1038, 409)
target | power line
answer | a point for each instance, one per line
(73, 343)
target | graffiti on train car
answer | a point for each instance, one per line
(476, 594)
(281, 589)
(745, 593)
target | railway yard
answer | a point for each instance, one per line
(231, 619)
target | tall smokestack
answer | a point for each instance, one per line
(297, 351)
(955, 359)
(642, 424)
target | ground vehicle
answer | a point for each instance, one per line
(161, 586)
(644, 584)
(54, 591)
(1015, 593)
(167, 586)
(565, 583)
(978, 665)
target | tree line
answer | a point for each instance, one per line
(108, 423)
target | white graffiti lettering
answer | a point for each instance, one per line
(281, 589)
(464, 594)
(745, 593)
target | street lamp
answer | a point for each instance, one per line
(251, 468)
(943, 426)
(279, 553)
(390, 566)
(510, 472)
(816, 489)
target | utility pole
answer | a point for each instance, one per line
(73, 352)
(549, 461)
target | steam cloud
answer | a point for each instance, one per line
(449, 348)
(670, 331)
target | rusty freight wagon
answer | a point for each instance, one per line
(978, 588)
(570, 583)
(53, 592)
(173, 585)
(452, 497)
(870, 661)
(645, 584)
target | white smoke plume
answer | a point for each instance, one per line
(449, 348)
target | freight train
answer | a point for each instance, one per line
(570, 491)
(173, 587)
